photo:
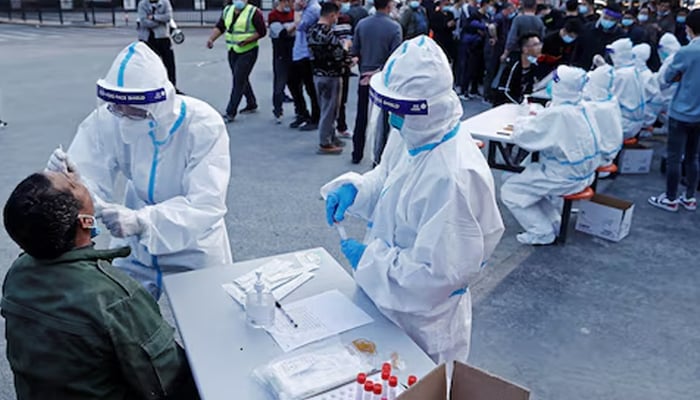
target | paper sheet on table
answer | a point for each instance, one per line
(318, 317)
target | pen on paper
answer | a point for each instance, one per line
(284, 312)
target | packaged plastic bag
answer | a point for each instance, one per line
(311, 370)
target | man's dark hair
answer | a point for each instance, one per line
(529, 4)
(573, 25)
(614, 7)
(41, 219)
(664, 1)
(571, 5)
(381, 4)
(542, 7)
(328, 8)
(683, 10)
(522, 40)
(693, 21)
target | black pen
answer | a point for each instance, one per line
(289, 318)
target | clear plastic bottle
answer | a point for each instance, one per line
(260, 305)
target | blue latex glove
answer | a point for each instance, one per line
(338, 201)
(353, 251)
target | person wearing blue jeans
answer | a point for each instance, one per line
(684, 122)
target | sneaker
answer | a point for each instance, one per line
(3, 124)
(339, 143)
(298, 122)
(278, 119)
(329, 149)
(356, 160)
(464, 97)
(664, 203)
(308, 126)
(248, 109)
(536, 240)
(228, 118)
(690, 204)
(344, 134)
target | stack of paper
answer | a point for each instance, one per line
(281, 277)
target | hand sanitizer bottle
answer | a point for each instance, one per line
(260, 305)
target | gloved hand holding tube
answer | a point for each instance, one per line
(121, 221)
(338, 201)
(353, 250)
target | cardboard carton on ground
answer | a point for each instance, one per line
(636, 159)
(605, 217)
(468, 383)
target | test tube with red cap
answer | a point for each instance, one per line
(377, 391)
(360, 385)
(386, 374)
(393, 383)
(386, 367)
(412, 380)
(369, 390)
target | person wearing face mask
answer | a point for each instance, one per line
(174, 153)
(63, 301)
(343, 29)
(638, 34)
(518, 76)
(434, 220)
(559, 47)
(665, 19)
(243, 25)
(597, 35)
(680, 31)
(498, 33)
(153, 26)
(569, 155)
(281, 23)
(475, 35)
(628, 87)
(586, 11)
(414, 20)
(443, 25)
(526, 22)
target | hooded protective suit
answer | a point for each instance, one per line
(668, 47)
(651, 84)
(176, 164)
(430, 203)
(604, 111)
(566, 137)
(628, 87)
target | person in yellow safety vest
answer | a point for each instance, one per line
(243, 24)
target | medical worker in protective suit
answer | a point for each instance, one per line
(567, 140)
(430, 203)
(174, 153)
(668, 47)
(642, 52)
(628, 87)
(604, 111)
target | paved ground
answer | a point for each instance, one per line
(592, 320)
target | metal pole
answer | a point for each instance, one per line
(40, 19)
(114, 18)
(92, 6)
(201, 16)
(60, 12)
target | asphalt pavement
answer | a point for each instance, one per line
(590, 320)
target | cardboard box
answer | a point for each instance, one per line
(605, 217)
(468, 383)
(636, 159)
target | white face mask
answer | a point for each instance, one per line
(131, 131)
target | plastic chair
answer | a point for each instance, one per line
(585, 194)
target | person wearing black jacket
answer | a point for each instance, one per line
(559, 47)
(443, 24)
(281, 22)
(638, 35)
(598, 35)
(518, 76)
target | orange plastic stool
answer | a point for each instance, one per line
(611, 169)
(585, 194)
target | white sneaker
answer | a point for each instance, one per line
(662, 202)
(690, 204)
(537, 240)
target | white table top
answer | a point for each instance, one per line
(485, 125)
(223, 349)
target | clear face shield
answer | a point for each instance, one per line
(131, 112)
(387, 113)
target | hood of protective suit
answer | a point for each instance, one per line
(641, 55)
(418, 75)
(600, 84)
(668, 45)
(138, 78)
(568, 85)
(621, 54)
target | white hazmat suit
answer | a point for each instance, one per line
(430, 203)
(176, 164)
(567, 140)
(668, 47)
(602, 106)
(628, 87)
(651, 84)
